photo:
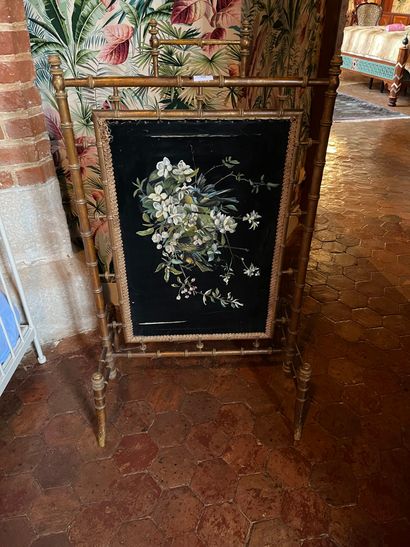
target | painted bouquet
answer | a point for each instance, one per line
(191, 221)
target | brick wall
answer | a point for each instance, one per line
(24, 145)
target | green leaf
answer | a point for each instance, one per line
(146, 232)
(160, 267)
(56, 19)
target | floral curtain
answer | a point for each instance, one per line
(101, 37)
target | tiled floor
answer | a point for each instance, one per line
(203, 455)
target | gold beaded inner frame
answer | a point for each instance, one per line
(103, 138)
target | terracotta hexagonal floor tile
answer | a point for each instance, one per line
(166, 396)
(200, 407)
(22, 455)
(89, 449)
(235, 419)
(137, 494)
(10, 405)
(135, 417)
(382, 338)
(145, 530)
(319, 542)
(324, 293)
(189, 539)
(16, 531)
(339, 420)
(363, 459)
(223, 525)
(350, 526)
(245, 454)
(52, 540)
(314, 277)
(361, 399)
(345, 371)
(396, 533)
(398, 324)
(96, 524)
(324, 389)
(65, 429)
(17, 494)
(37, 388)
(196, 378)
(30, 419)
(135, 453)
(170, 429)
(58, 467)
(289, 467)
(259, 497)
(336, 311)
(383, 382)
(340, 282)
(54, 509)
(214, 481)
(316, 444)
(310, 306)
(177, 511)
(367, 317)
(306, 511)
(272, 431)
(206, 441)
(349, 330)
(229, 388)
(135, 387)
(383, 305)
(96, 480)
(173, 467)
(69, 397)
(379, 498)
(335, 482)
(272, 533)
(357, 273)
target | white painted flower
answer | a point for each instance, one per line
(183, 171)
(251, 270)
(156, 238)
(197, 241)
(161, 209)
(212, 252)
(223, 223)
(170, 248)
(158, 194)
(253, 219)
(164, 167)
(176, 215)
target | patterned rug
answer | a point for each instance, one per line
(351, 109)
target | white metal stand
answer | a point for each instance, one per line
(25, 327)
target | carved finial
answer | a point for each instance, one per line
(56, 72)
(406, 40)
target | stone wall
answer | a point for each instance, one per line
(30, 202)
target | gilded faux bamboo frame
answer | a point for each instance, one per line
(106, 370)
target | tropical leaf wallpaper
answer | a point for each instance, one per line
(101, 37)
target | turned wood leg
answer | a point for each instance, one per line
(399, 73)
(98, 385)
(302, 387)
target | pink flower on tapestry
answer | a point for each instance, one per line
(227, 13)
(87, 152)
(118, 43)
(216, 34)
(189, 11)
